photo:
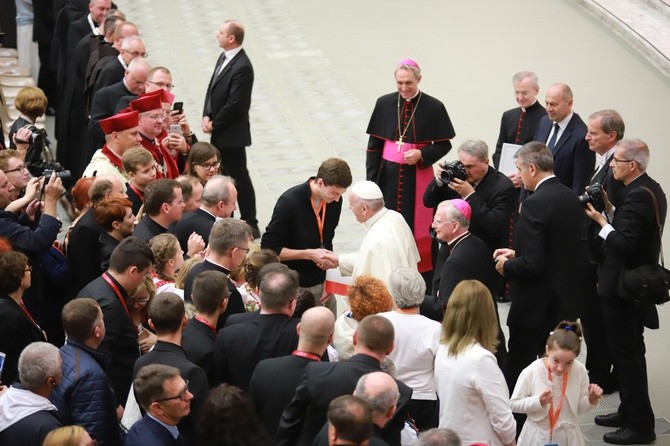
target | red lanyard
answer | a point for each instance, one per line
(138, 192)
(311, 356)
(206, 322)
(320, 219)
(554, 414)
(116, 290)
(25, 310)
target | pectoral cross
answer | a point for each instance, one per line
(399, 143)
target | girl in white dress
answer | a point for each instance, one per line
(553, 390)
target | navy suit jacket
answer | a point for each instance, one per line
(573, 160)
(148, 431)
(228, 101)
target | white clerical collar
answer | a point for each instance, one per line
(123, 62)
(415, 95)
(526, 108)
(372, 220)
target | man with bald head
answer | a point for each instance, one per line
(84, 240)
(226, 114)
(89, 23)
(217, 201)
(131, 48)
(305, 415)
(274, 380)
(105, 100)
(388, 242)
(563, 132)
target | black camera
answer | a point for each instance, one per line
(64, 175)
(594, 195)
(37, 133)
(453, 170)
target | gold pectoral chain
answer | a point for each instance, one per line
(401, 135)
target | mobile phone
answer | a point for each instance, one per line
(178, 106)
(175, 128)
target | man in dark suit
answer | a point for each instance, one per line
(468, 259)
(272, 334)
(322, 382)
(274, 380)
(132, 47)
(89, 23)
(83, 253)
(228, 242)
(541, 269)
(167, 315)
(490, 194)
(518, 125)
(605, 129)
(105, 100)
(631, 240)
(226, 114)
(163, 205)
(218, 201)
(563, 132)
(210, 297)
(164, 408)
(130, 262)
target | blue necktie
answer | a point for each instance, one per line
(554, 137)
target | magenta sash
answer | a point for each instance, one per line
(423, 216)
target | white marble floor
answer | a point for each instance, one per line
(320, 65)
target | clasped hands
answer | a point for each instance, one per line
(500, 256)
(324, 258)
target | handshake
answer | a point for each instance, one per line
(324, 258)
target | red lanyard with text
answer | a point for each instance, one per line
(116, 290)
(206, 322)
(311, 356)
(29, 316)
(320, 219)
(138, 192)
(554, 414)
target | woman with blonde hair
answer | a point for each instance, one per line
(68, 436)
(169, 259)
(473, 394)
(366, 295)
(252, 264)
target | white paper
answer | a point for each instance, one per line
(507, 165)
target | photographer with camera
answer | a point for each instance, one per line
(631, 240)
(32, 103)
(490, 194)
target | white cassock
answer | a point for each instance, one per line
(388, 243)
(101, 165)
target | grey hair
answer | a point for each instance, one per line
(438, 437)
(635, 150)
(537, 154)
(381, 402)
(454, 214)
(37, 362)
(415, 70)
(217, 190)
(521, 75)
(610, 121)
(373, 204)
(407, 287)
(125, 45)
(476, 148)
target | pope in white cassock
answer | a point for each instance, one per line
(388, 242)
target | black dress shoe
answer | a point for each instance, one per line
(629, 436)
(610, 420)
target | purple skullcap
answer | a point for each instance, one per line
(408, 62)
(463, 207)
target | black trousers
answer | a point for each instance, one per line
(234, 163)
(624, 328)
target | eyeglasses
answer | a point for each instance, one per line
(157, 117)
(208, 166)
(616, 160)
(21, 168)
(161, 85)
(181, 396)
(136, 53)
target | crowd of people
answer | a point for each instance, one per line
(163, 318)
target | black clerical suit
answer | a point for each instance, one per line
(148, 228)
(198, 340)
(634, 242)
(227, 104)
(198, 221)
(83, 252)
(320, 384)
(514, 132)
(543, 277)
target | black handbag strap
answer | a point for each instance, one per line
(659, 227)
